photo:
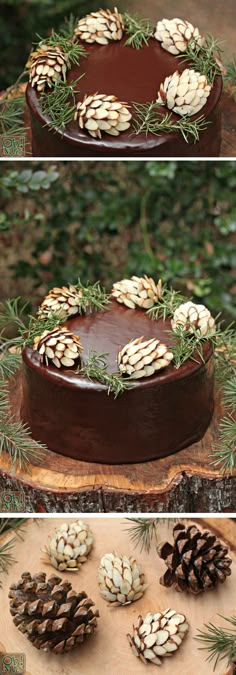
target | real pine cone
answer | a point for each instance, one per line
(64, 301)
(53, 616)
(137, 291)
(59, 347)
(196, 561)
(194, 317)
(142, 358)
(70, 546)
(46, 66)
(102, 27)
(102, 113)
(158, 635)
(175, 34)
(184, 93)
(120, 579)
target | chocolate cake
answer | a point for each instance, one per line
(158, 416)
(131, 75)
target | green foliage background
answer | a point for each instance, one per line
(21, 22)
(106, 220)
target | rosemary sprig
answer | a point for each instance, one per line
(149, 120)
(73, 50)
(219, 641)
(139, 30)
(167, 304)
(95, 368)
(59, 105)
(203, 57)
(93, 297)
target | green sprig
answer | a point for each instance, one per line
(59, 105)
(144, 531)
(149, 120)
(139, 31)
(230, 75)
(219, 641)
(169, 301)
(73, 50)
(95, 368)
(93, 297)
(203, 57)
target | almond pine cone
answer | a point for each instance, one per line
(52, 615)
(46, 66)
(99, 113)
(184, 93)
(64, 301)
(142, 358)
(102, 27)
(120, 579)
(69, 546)
(59, 347)
(158, 635)
(137, 291)
(175, 34)
(194, 317)
(196, 561)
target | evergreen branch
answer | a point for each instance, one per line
(12, 313)
(9, 524)
(93, 297)
(16, 441)
(167, 304)
(139, 31)
(224, 453)
(95, 368)
(68, 27)
(59, 105)
(9, 364)
(150, 121)
(219, 641)
(204, 57)
(6, 556)
(36, 327)
(11, 114)
(143, 531)
(74, 51)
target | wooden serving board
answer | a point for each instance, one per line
(182, 482)
(108, 652)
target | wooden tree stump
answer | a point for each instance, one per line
(182, 482)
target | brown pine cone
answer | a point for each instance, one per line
(196, 561)
(53, 616)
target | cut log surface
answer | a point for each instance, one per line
(108, 652)
(182, 482)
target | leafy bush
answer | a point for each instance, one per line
(105, 220)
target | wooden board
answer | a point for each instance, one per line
(183, 482)
(108, 652)
(228, 143)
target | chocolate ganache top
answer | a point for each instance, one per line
(133, 75)
(106, 332)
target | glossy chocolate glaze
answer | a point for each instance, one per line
(76, 417)
(132, 75)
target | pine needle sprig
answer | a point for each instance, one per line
(224, 453)
(68, 27)
(150, 120)
(16, 441)
(139, 31)
(93, 297)
(59, 105)
(143, 531)
(230, 75)
(203, 57)
(9, 364)
(74, 51)
(9, 524)
(11, 114)
(219, 641)
(12, 312)
(6, 556)
(95, 368)
(170, 300)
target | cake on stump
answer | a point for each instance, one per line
(111, 96)
(158, 405)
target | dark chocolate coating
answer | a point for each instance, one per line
(77, 418)
(133, 76)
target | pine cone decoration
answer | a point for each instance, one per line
(194, 317)
(175, 34)
(141, 358)
(99, 112)
(158, 635)
(197, 561)
(70, 546)
(184, 93)
(140, 291)
(63, 301)
(120, 580)
(102, 26)
(53, 616)
(58, 346)
(46, 66)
